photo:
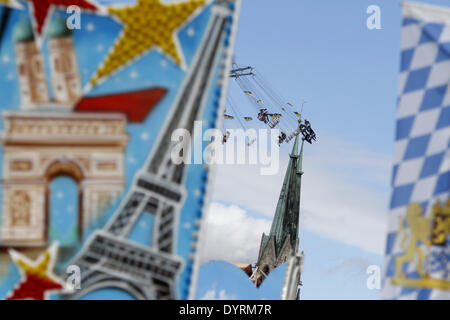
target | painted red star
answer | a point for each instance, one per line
(40, 9)
(34, 287)
(37, 276)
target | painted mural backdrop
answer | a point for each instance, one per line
(86, 121)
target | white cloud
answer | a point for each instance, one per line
(345, 191)
(232, 235)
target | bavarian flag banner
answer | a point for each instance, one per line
(418, 242)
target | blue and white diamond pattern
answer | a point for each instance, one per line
(421, 171)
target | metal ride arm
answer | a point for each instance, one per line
(264, 97)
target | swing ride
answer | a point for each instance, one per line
(269, 106)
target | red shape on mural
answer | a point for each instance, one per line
(135, 104)
(34, 287)
(37, 276)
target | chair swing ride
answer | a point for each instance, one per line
(270, 108)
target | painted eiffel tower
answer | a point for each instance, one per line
(108, 259)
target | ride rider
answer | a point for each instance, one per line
(281, 138)
(263, 115)
(225, 137)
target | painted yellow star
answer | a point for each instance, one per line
(11, 3)
(147, 24)
(41, 267)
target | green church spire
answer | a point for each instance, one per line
(294, 152)
(282, 241)
(286, 219)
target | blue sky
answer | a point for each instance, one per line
(320, 51)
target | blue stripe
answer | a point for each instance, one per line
(424, 294)
(401, 196)
(408, 21)
(394, 174)
(406, 59)
(404, 127)
(417, 147)
(433, 98)
(390, 241)
(417, 79)
(431, 165)
(444, 119)
(431, 32)
(444, 52)
(390, 268)
(443, 184)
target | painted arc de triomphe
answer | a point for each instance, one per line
(38, 147)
